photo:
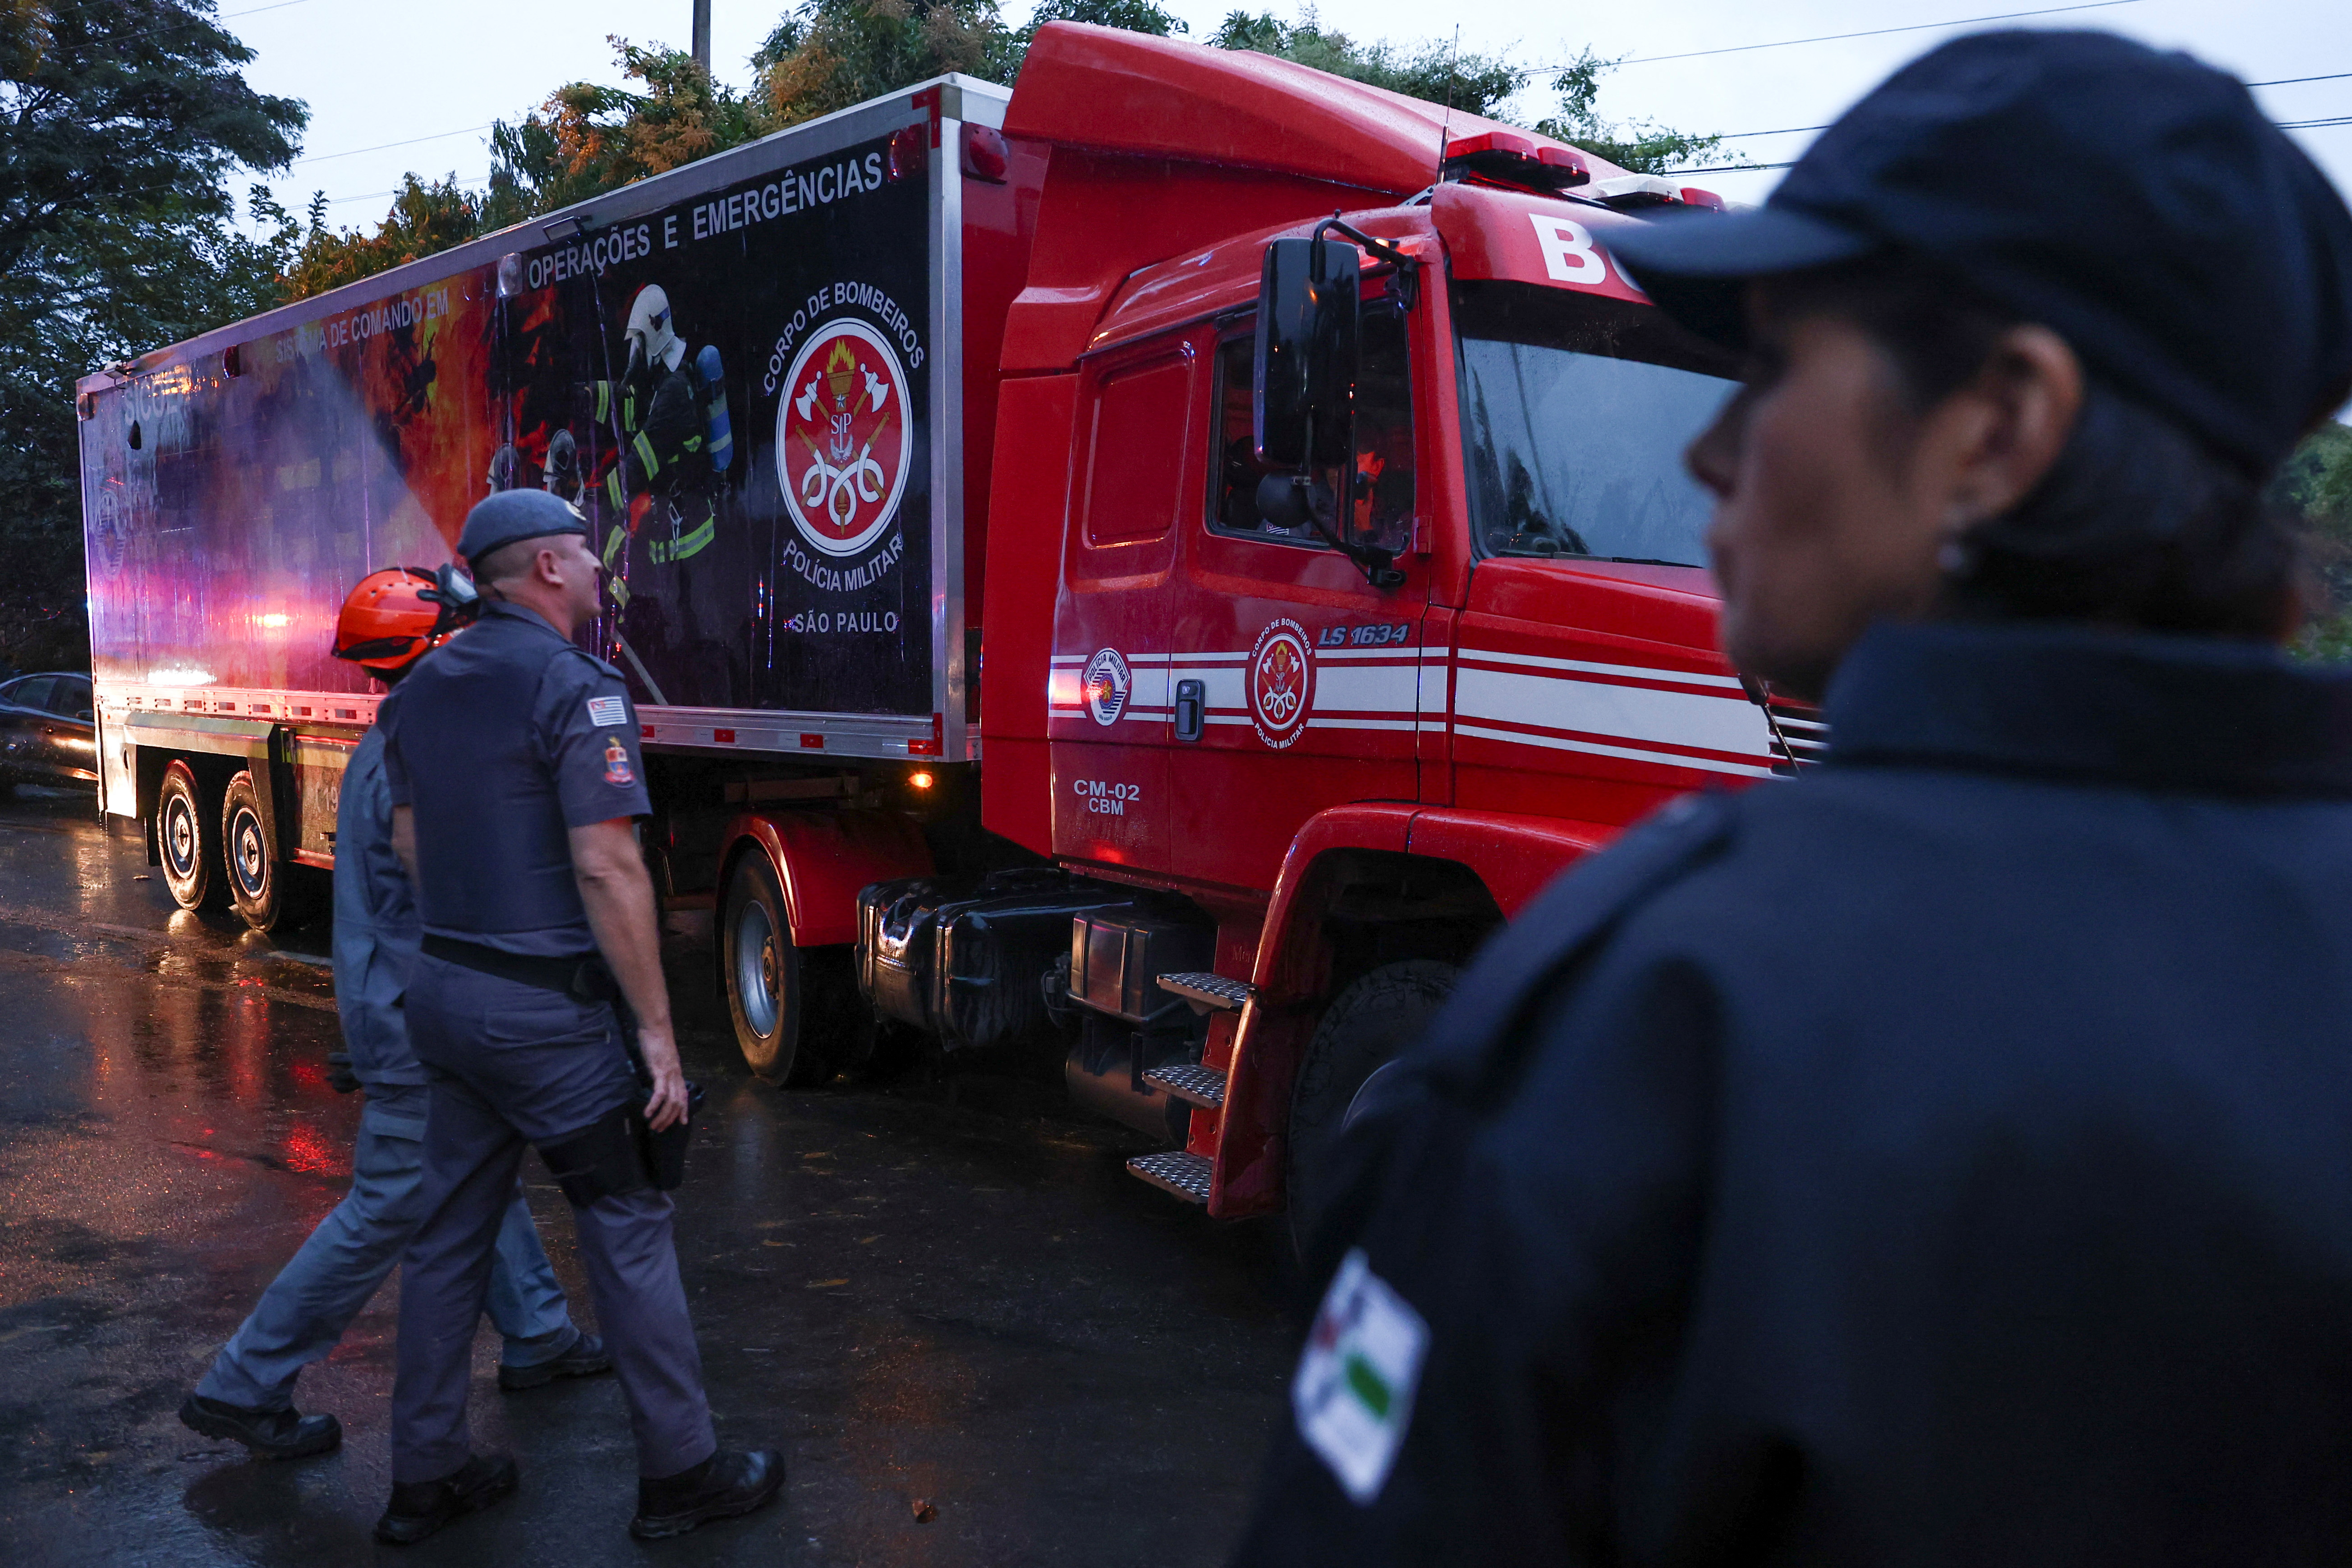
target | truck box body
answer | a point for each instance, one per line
(237, 490)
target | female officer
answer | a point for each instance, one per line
(1945, 1158)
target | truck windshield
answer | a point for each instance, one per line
(1575, 412)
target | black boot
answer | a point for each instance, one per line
(586, 1358)
(420, 1507)
(721, 1486)
(270, 1434)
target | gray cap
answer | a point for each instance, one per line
(511, 515)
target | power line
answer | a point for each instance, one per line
(382, 146)
(377, 195)
(2282, 124)
(1867, 33)
(196, 22)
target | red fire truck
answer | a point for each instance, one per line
(1272, 478)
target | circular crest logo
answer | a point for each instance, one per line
(1108, 684)
(1281, 682)
(111, 528)
(844, 441)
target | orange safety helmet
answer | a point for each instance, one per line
(397, 616)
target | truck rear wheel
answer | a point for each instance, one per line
(1365, 1026)
(766, 986)
(188, 842)
(256, 879)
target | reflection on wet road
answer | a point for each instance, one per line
(944, 1292)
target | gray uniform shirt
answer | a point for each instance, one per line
(501, 743)
(376, 928)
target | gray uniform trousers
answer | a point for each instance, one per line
(323, 1286)
(516, 1065)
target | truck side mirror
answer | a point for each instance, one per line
(1310, 341)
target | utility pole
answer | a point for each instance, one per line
(702, 35)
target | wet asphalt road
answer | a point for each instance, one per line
(947, 1291)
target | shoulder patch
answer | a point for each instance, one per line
(1353, 1394)
(606, 712)
(616, 763)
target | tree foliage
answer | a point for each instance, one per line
(119, 123)
(1642, 146)
(1482, 85)
(826, 55)
(829, 54)
(2316, 486)
(586, 139)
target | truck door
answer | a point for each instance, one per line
(1305, 674)
(1107, 693)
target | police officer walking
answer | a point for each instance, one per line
(1943, 1158)
(392, 619)
(515, 778)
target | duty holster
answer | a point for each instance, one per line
(619, 1152)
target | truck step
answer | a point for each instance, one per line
(1216, 992)
(1174, 1170)
(1204, 1087)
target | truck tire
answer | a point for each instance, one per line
(1365, 1026)
(257, 877)
(767, 989)
(187, 838)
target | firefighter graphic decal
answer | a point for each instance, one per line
(1281, 681)
(844, 441)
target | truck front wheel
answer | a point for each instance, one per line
(186, 841)
(1362, 1031)
(765, 988)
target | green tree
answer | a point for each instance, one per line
(829, 54)
(425, 218)
(587, 139)
(1481, 85)
(119, 123)
(2315, 486)
(1487, 86)
(1642, 146)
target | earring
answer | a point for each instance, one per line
(1956, 558)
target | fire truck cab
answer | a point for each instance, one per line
(1343, 586)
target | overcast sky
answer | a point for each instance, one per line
(443, 68)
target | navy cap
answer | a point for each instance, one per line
(2138, 203)
(509, 515)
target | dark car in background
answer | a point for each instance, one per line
(48, 734)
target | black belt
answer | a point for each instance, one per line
(582, 977)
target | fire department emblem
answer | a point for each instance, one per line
(1108, 684)
(1281, 682)
(844, 441)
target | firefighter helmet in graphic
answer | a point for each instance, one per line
(650, 331)
(397, 616)
(560, 473)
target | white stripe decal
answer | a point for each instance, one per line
(1219, 688)
(1367, 688)
(1363, 723)
(1635, 713)
(1560, 744)
(1583, 666)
